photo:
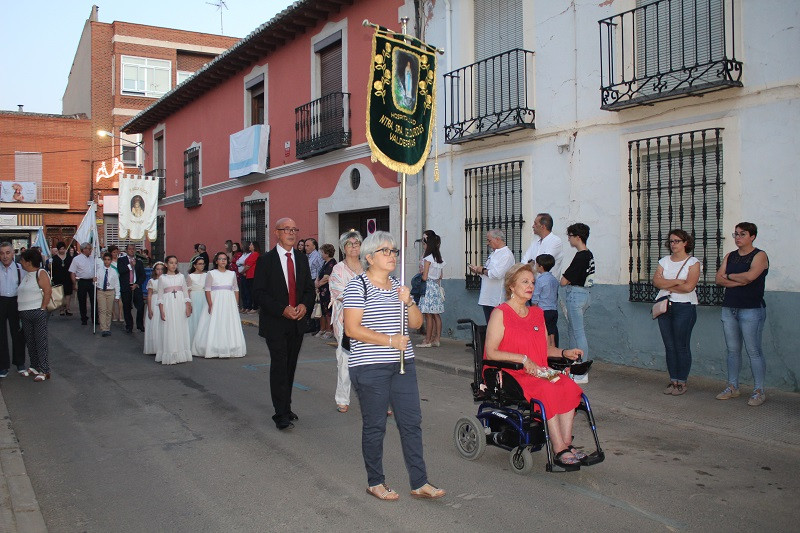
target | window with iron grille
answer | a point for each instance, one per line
(191, 177)
(675, 182)
(254, 222)
(493, 200)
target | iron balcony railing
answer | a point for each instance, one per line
(55, 193)
(489, 97)
(323, 125)
(668, 49)
(162, 181)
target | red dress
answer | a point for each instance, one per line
(528, 335)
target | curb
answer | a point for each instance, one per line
(19, 510)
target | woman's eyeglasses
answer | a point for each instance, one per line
(675, 241)
(353, 244)
(389, 251)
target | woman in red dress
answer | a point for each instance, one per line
(517, 333)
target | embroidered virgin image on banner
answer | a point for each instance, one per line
(400, 102)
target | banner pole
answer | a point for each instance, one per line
(403, 309)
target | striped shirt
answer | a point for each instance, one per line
(381, 314)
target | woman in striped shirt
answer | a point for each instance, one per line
(372, 320)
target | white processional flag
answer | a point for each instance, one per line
(138, 207)
(87, 231)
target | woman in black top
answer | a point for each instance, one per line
(744, 312)
(577, 279)
(60, 270)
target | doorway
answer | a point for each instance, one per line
(364, 221)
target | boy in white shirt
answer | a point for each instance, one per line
(107, 282)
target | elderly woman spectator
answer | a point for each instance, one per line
(676, 278)
(374, 322)
(342, 273)
(493, 271)
(322, 283)
(517, 333)
(33, 296)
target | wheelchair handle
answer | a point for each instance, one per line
(465, 321)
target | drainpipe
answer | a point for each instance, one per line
(448, 17)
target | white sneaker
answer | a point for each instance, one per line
(580, 378)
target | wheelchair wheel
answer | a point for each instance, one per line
(521, 460)
(470, 438)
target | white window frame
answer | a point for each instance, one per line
(182, 75)
(257, 72)
(144, 70)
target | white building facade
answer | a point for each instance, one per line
(634, 117)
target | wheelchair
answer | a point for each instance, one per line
(507, 419)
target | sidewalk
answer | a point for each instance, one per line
(635, 392)
(19, 510)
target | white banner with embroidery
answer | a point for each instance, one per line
(138, 204)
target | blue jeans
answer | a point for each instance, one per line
(576, 303)
(676, 332)
(744, 326)
(378, 386)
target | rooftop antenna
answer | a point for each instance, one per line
(219, 5)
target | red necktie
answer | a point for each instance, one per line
(290, 275)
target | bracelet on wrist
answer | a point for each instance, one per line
(562, 354)
(524, 359)
(390, 340)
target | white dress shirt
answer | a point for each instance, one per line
(552, 245)
(498, 263)
(113, 279)
(83, 267)
(10, 277)
(282, 254)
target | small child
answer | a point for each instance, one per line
(107, 282)
(545, 295)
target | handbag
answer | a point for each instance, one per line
(56, 293)
(663, 304)
(56, 297)
(317, 311)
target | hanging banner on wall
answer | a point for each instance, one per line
(138, 204)
(249, 151)
(401, 101)
(18, 191)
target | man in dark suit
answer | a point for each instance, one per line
(131, 279)
(285, 292)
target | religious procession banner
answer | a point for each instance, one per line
(138, 205)
(401, 101)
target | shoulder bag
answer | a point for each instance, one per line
(56, 293)
(345, 339)
(663, 304)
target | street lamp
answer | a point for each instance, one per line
(104, 133)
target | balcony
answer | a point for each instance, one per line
(493, 96)
(668, 49)
(45, 195)
(323, 125)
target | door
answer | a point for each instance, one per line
(372, 219)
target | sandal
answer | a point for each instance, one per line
(579, 455)
(342, 408)
(570, 463)
(428, 492)
(383, 492)
(42, 377)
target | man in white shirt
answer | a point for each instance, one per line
(493, 272)
(10, 277)
(82, 271)
(545, 242)
(108, 292)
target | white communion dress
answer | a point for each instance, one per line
(174, 345)
(197, 292)
(152, 326)
(219, 333)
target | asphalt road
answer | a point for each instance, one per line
(116, 442)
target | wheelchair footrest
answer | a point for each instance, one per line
(593, 458)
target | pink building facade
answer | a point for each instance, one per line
(303, 76)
